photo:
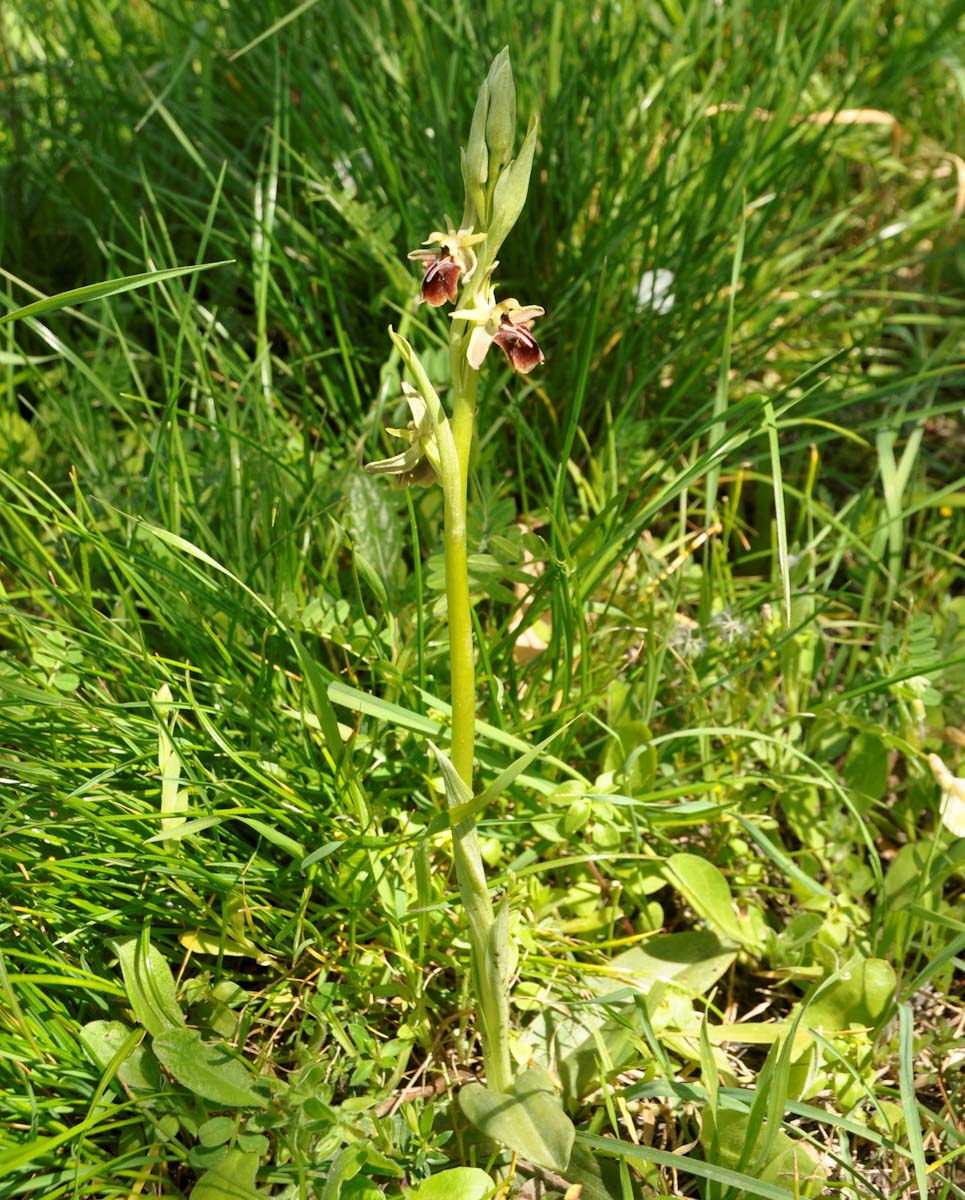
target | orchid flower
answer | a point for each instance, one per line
(508, 325)
(443, 267)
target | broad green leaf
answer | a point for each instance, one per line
(862, 995)
(232, 1179)
(108, 287)
(788, 1164)
(363, 1188)
(109, 1042)
(149, 985)
(218, 1131)
(373, 521)
(209, 1069)
(866, 770)
(528, 1118)
(673, 965)
(345, 1166)
(707, 892)
(598, 1177)
(458, 1183)
(103, 1040)
(343, 1181)
(691, 961)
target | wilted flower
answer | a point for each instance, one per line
(508, 325)
(418, 462)
(443, 267)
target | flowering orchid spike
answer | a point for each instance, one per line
(507, 324)
(444, 266)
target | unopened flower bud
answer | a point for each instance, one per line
(501, 121)
(475, 161)
(510, 192)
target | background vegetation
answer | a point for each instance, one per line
(718, 553)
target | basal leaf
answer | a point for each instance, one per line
(458, 1183)
(528, 1118)
(785, 1162)
(209, 1069)
(149, 985)
(110, 1041)
(707, 892)
(687, 963)
(373, 522)
(860, 996)
(232, 1179)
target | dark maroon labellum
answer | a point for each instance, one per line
(441, 281)
(519, 346)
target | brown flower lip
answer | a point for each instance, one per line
(519, 345)
(441, 280)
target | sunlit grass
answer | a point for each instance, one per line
(182, 506)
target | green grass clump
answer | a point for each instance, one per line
(716, 552)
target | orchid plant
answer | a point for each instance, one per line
(459, 267)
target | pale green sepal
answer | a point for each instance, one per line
(501, 122)
(418, 372)
(398, 464)
(510, 193)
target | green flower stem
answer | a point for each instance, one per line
(462, 667)
(490, 991)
